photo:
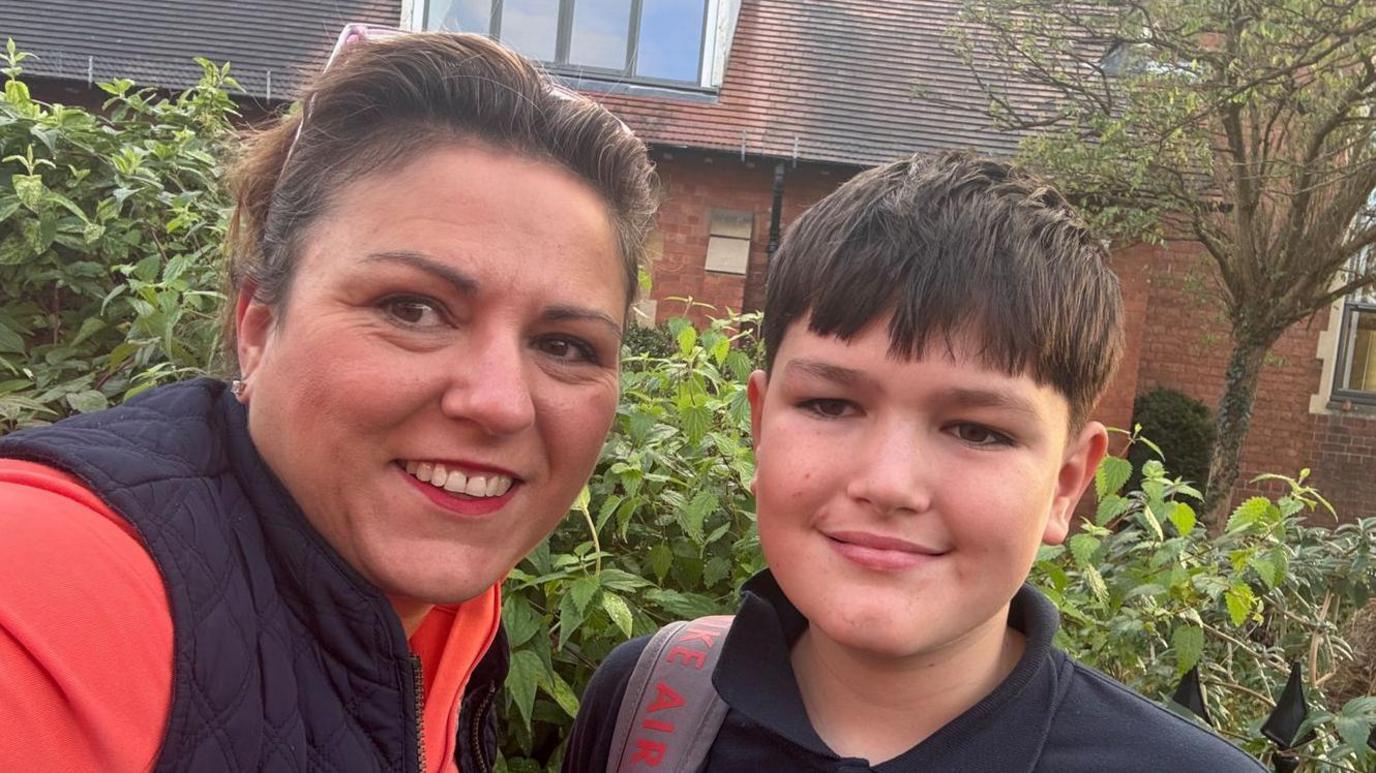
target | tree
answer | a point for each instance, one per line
(1246, 125)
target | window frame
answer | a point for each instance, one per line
(564, 38)
(1351, 308)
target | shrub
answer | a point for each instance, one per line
(1145, 595)
(645, 341)
(1183, 430)
(665, 530)
(111, 226)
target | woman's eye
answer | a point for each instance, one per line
(977, 435)
(413, 312)
(829, 408)
(568, 349)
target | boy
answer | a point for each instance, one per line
(936, 333)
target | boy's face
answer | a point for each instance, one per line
(901, 502)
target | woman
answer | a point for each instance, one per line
(431, 270)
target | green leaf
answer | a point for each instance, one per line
(622, 581)
(1265, 569)
(580, 502)
(692, 517)
(562, 693)
(1239, 598)
(604, 513)
(1111, 507)
(1354, 723)
(1153, 523)
(1248, 514)
(1096, 584)
(8, 207)
(738, 362)
(696, 421)
(1113, 472)
(582, 591)
(661, 560)
(687, 339)
(619, 612)
(90, 327)
(570, 618)
(683, 605)
(1183, 518)
(720, 349)
(88, 401)
(14, 251)
(1188, 642)
(29, 189)
(10, 341)
(527, 671)
(1082, 546)
(521, 620)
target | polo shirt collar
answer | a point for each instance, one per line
(755, 677)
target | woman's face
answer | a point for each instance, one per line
(461, 313)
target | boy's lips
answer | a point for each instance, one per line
(880, 552)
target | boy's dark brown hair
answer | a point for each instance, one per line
(949, 243)
(382, 104)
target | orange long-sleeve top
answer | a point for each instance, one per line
(86, 636)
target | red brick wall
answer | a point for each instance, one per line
(695, 184)
(1185, 345)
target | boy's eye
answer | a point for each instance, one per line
(565, 349)
(413, 312)
(978, 435)
(829, 408)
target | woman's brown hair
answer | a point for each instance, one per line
(383, 103)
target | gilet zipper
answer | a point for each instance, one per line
(475, 730)
(418, 677)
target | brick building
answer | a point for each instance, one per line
(754, 109)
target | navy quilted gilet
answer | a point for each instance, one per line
(285, 658)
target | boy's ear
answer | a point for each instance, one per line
(253, 324)
(1082, 456)
(755, 389)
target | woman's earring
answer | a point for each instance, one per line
(236, 388)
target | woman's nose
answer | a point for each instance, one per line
(491, 387)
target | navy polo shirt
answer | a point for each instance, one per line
(1051, 715)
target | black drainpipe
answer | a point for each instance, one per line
(775, 215)
(776, 211)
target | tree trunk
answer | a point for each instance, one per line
(1233, 422)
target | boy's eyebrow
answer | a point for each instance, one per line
(986, 398)
(826, 371)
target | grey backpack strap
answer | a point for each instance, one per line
(670, 713)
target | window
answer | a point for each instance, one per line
(728, 242)
(652, 41)
(1355, 377)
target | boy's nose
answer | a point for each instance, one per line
(894, 477)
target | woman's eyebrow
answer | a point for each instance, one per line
(562, 313)
(467, 285)
(462, 283)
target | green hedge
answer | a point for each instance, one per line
(1182, 428)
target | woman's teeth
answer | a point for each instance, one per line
(455, 482)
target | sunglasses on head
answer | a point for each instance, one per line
(356, 32)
